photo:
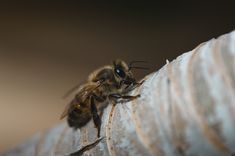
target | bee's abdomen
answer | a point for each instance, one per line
(79, 117)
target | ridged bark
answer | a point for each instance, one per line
(185, 108)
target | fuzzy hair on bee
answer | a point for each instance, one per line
(109, 83)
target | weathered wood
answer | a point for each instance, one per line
(185, 108)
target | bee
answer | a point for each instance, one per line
(108, 83)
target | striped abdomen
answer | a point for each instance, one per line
(79, 115)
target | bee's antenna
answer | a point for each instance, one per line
(132, 62)
(145, 68)
(130, 65)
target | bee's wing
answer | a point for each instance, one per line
(76, 87)
(71, 90)
(66, 110)
(84, 92)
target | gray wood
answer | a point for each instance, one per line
(185, 108)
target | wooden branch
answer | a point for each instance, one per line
(185, 108)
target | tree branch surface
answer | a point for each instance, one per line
(186, 108)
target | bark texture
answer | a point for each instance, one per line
(185, 108)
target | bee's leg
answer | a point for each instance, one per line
(133, 85)
(98, 98)
(86, 148)
(95, 116)
(137, 84)
(123, 98)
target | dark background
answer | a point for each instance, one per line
(47, 48)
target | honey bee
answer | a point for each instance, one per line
(109, 83)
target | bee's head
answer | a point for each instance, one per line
(122, 71)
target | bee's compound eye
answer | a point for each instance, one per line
(120, 72)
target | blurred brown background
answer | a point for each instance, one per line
(47, 48)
